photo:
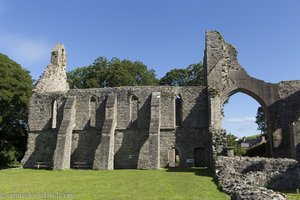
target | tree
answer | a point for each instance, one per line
(232, 141)
(261, 120)
(15, 90)
(113, 73)
(193, 75)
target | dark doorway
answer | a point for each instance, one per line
(199, 157)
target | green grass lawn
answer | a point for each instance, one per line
(185, 184)
(292, 195)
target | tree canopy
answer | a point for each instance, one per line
(113, 73)
(116, 72)
(261, 120)
(193, 75)
(15, 90)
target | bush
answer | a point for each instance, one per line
(8, 156)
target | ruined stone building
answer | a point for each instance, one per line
(153, 126)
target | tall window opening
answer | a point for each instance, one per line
(54, 114)
(134, 108)
(178, 110)
(93, 112)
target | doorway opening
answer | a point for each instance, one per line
(199, 157)
(174, 158)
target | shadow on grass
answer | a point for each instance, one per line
(9, 167)
(199, 171)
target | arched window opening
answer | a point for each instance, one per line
(93, 112)
(244, 119)
(134, 108)
(174, 158)
(53, 114)
(178, 110)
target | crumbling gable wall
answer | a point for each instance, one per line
(280, 102)
(54, 77)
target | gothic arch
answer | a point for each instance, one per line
(225, 77)
(255, 96)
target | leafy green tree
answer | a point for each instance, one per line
(193, 75)
(232, 142)
(261, 120)
(15, 90)
(113, 73)
(176, 77)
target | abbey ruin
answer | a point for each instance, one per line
(143, 127)
(153, 127)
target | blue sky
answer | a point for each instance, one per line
(162, 34)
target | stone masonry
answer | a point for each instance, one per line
(280, 102)
(54, 77)
(150, 127)
(248, 178)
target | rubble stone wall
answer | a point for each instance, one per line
(257, 177)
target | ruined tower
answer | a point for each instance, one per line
(54, 78)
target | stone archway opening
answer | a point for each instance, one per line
(245, 119)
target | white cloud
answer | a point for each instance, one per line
(24, 49)
(241, 119)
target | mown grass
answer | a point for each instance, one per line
(173, 184)
(292, 195)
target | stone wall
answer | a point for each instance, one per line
(286, 138)
(137, 117)
(249, 178)
(280, 102)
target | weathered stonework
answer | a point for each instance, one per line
(152, 126)
(104, 154)
(248, 178)
(62, 154)
(145, 131)
(280, 102)
(54, 78)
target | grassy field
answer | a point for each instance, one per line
(292, 195)
(173, 184)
